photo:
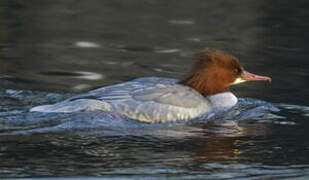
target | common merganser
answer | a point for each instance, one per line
(153, 99)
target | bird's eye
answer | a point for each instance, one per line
(237, 71)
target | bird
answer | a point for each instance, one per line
(158, 100)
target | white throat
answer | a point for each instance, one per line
(238, 81)
(223, 100)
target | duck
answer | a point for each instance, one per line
(206, 88)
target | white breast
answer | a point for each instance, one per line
(223, 100)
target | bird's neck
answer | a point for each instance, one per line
(205, 84)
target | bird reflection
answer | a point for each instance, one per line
(226, 143)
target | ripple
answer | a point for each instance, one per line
(302, 110)
(88, 75)
(80, 87)
(294, 107)
(255, 171)
(181, 22)
(16, 79)
(3, 76)
(166, 51)
(135, 48)
(87, 44)
(75, 74)
(195, 39)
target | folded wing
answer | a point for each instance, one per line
(145, 99)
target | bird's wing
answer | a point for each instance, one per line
(160, 103)
(150, 100)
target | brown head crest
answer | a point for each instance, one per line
(213, 72)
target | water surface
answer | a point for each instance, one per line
(50, 50)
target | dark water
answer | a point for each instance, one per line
(66, 47)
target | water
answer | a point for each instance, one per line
(51, 50)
